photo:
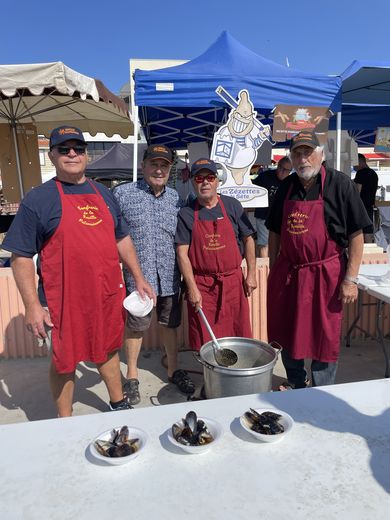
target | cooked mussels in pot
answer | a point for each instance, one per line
(191, 431)
(267, 423)
(119, 444)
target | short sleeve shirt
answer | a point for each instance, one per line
(238, 218)
(344, 211)
(368, 179)
(40, 213)
(152, 224)
(270, 181)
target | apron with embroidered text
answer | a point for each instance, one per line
(216, 263)
(303, 308)
(83, 284)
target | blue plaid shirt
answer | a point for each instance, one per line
(152, 222)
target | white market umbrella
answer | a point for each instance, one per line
(52, 94)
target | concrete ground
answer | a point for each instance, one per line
(25, 394)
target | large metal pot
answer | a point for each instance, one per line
(251, 374)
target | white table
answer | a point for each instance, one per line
(335, 463)
(370, 281)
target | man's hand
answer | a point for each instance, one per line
(195, 298)
(250, 284)
(36, 318)
(143, 288)
(348, 292)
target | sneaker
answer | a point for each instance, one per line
(131, 392)
(183, 382)
(120, 405)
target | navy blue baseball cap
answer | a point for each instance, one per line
(65, 133)
(203, 164)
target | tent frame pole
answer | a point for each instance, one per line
(338, 142)
(18, 166)
(135, 155)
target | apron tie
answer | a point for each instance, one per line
(217, 278)
(294, 268)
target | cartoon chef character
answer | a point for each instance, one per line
(246, 135)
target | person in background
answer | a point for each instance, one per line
(213, 232)
(366, 180)
(150, 209)
(75, 227)
(271, 180)
(315, 250)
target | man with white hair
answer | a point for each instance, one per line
(315, 247)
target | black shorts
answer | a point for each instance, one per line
(168, 309)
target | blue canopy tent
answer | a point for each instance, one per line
(178, 105)
(365, 100)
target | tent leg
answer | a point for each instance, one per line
(135, 155)
(338, 141)
(18, 167)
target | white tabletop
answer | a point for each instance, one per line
(335, 463)
(371, 280)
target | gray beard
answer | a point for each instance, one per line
(306, 176)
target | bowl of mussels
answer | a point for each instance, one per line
(195, 434)
(267, 425)
(119, 445)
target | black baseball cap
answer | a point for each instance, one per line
(158, 151)
(304, 138)
(203, 164)
(65, 133)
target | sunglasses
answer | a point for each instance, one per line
(64, 150)
(199, 179)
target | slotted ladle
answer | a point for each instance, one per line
(225, 357)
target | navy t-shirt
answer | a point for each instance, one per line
(40, 213)
(239, 219)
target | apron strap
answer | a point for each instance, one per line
(294, 268)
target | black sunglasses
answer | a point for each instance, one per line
(64, 150)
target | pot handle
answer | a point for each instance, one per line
(200, 360)
(278, 347)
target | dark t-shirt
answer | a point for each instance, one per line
(344, 211)
(270, 181)
(368, 179)
(40, 213)
(239, 219)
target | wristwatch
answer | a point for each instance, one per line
(353, 279)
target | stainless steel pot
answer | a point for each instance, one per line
(252, 373)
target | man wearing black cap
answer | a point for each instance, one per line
(315, 249)
(150, 209)
(75, 227)
(213, 234)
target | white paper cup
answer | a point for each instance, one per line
(138, 306)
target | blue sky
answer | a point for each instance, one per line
(97, 38)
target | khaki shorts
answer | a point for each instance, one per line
(168, 309)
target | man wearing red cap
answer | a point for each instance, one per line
(75, 227)
(212, 233)
(315, 250)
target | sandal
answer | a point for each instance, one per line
(183, 382)
(286, 385)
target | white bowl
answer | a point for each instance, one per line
(286, 421)
(214, 428)
(138, 306)
(134, 433)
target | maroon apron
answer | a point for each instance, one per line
(216, 263)
(304, 312)
(83, 282)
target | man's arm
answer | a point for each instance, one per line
(193, 293)
(129, 258)
(349, 290)
(250, 283)
(36, 316)
(359, 187)
(273, 247)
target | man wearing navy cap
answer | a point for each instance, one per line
(213, 234)
(75, 227)
(315, 250)
(150, 209)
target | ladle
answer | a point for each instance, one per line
(225, 357)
